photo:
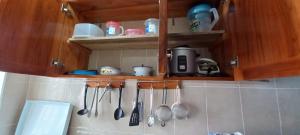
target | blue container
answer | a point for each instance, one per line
(201, 8)
(84, 72)
(202, 18)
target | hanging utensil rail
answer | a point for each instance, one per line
(157, 85)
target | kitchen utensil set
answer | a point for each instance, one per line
(90, 111)
(84, 110)
(151, 119)
(135, 116)
(179, 110)
(163, 113)
(119, 113)
(95, 95)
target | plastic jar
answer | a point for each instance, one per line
(114, 29)
(152, 26)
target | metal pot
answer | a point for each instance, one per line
(182, 60)
(142, 70)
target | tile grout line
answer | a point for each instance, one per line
(206, 110)
(97, 58)
(175, 100)
(121, 58)
(242, 112)
(278, 108)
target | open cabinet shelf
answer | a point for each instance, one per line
(121, 47)
(196, 39)
(118, 42)
(145, 78)
(200, 78)
(114, 77)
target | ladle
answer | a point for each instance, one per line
(84, 110)
(151, 119)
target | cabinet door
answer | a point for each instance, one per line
(266, 36)
(71, 56)
(27, 30)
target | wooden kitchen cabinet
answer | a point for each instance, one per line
(32, 34)
(27, 29)
(69, 56)
(266, 37)
(262, 35)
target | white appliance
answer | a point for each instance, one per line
(44, 118)
(206, 66)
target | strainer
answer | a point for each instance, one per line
(179, 110)
(163, 112)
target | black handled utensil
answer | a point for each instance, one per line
(119, 113)
(90, 111)
(85, 110)
(96, 111)
(134, 119)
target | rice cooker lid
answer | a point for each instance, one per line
(183, 47)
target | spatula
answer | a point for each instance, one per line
(135, 116)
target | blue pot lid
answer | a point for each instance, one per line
(198, 9)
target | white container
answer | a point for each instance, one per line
(44, 118)
(142, 70)
(87, 30)
(108, 70)
(152, 26)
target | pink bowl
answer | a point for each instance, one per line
(134, 32)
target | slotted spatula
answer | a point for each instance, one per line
(135, 116)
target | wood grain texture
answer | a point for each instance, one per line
(223, 52)
(121, 10)
(163, 37)
(266, 36)
(197, 40)
(113, 77)
(73, 56)
(200, 78)
(156, 85)
(118, 42)
(142, 78)
(169, 85)
(27, 34)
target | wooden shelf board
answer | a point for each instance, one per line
(118, 42)
(144, 78)
(113, 77)
(198, 40)
(201, 78)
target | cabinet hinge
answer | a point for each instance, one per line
(57, 63)
(66, 9)
(234, 62)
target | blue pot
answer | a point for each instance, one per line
(202, 18)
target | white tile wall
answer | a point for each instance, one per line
(260, 108)
(13, 98)
(124, 59)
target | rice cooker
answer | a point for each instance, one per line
(182, 61)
